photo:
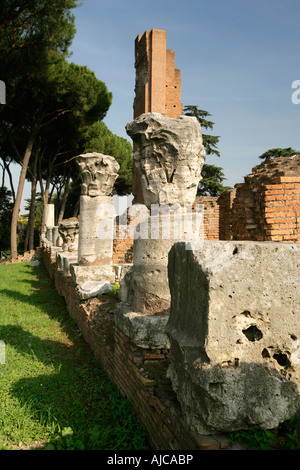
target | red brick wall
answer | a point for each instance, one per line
(211, 216)
(270, 213)
(225, 201)
(281, 210)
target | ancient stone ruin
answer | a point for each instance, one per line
(234, 337)
(204, 336)
(169, 158)
(95, 245)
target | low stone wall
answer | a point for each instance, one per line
(139, 373)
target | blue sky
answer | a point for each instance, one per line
(238, 59)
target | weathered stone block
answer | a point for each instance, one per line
(95, 246)
(235, 334)
(168, 159)
(93, 288)
(68, 230)
(98, 173)
(81, 274)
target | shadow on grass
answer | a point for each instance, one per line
(74, 393)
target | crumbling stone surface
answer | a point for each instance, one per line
(234, 334)
(271, 168)
(98, 173)
(168, 159)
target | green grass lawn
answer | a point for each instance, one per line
(53, 393)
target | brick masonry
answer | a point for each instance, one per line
(266, 207)
(158, 82)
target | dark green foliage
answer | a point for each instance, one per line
(278, 152)
(212, 176)
(211, 184)
(284, 437)
(98, 138)
(6, 207)
(210, 142)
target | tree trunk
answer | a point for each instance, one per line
(31, 218)
(16, 209)
(64, 201)
(11, 182)
(76, 208)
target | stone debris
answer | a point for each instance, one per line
(93, 288)
(35, 263)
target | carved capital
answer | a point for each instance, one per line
(98, 173)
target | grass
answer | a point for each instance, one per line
(53, 392)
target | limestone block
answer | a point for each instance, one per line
(145, 331)
(96, 230)
(81, 274)
(98, 173)
(168, 159)
(49, 234)
(65, 260)
(235, 334)
(56, 238)
(93, 288)
(144, 290)
(49, 216)
(35, 263)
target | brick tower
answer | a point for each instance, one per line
(158, 82)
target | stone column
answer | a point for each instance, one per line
(49, 217)
(169, 158)
(95, 247)
(68, 230)
(56, 238)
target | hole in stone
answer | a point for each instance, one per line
(246, 313)
(253, 333)
(282, 359)
(235, 251)
(265, 353)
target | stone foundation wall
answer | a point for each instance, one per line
(139, 373)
